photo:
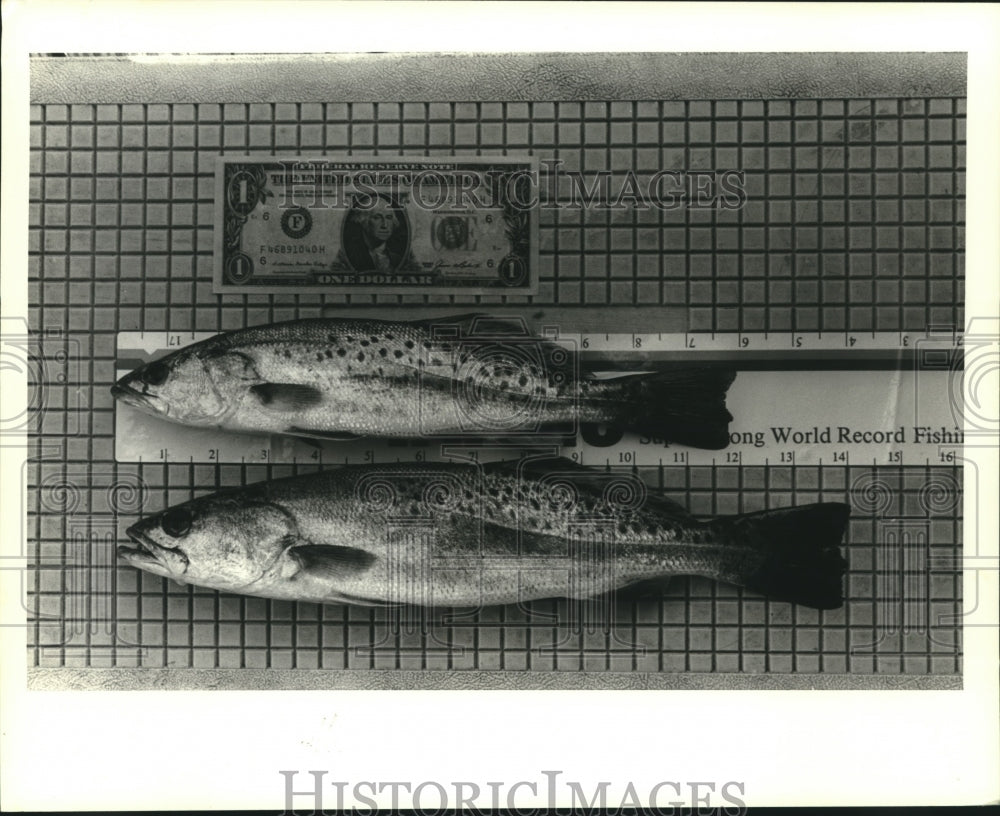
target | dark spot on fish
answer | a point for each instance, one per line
(288, 354)
(319, 357)
(350, 339)
(379, 371)
(329, 353)
(467, 495)
(426, 344)
(522, 381)
(493, 492)
(361, 356)
(622, 527)
(389, 336)
(341, 352)
(332, 338)
(365, 344)
(409, 344)
(374, 338)
(397, 354)
(383, 352)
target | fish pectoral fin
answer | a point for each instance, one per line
(333, 436)
(287, 396)
(331, 560)
(357, 600)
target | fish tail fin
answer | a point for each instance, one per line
(796, 552)
(687, 406)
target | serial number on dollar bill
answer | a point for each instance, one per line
(463, 225)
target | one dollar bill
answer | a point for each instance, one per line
(366, 225)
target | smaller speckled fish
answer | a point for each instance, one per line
(464, 535)
(454, 376)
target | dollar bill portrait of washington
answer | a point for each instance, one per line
(377, 237)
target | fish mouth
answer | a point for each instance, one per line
(151, 556)
(125, 393)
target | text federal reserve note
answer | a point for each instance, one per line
(367, 225)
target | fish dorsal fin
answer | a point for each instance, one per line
(539, 467)
(475, 323)
(331, 560)
(462, 322)
(287, 396)
(667, 507)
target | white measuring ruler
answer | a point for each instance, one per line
(738, 347)
(742, 342)
(819, 416)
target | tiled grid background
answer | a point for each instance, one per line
(124, 617)
(854, 221)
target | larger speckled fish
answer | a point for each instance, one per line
(465, 535)
(435, 378)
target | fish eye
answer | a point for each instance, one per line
(155, 373)
(176, 522)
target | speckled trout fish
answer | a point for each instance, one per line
(471, 374)
(465, 535)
